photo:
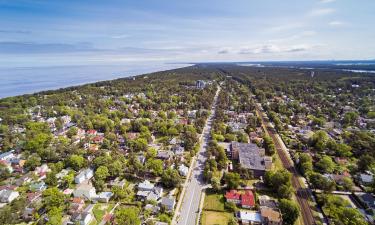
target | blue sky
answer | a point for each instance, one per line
(93, 32)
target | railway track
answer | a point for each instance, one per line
(302, 194)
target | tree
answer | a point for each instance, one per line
(156, 166)
(351, 216)
(51, 179)
(53, 198)
(127, 216)
(231, 206)
(350, 118)
(366, 162)
(280, 182)
(68, 179)
(76, 162)
(319, 140)
(325, 164)
(215, 183)
(101, 173)
(32, 162)
(171, 178)
(232, 180)
(289, 211)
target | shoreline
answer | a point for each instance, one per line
(45, 82)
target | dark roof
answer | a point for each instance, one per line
(250, 155)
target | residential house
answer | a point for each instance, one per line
(152, 208)
(86, 174)
(146, 186)
(366, 178)
(104, 196)
(39, 186)
(183, 170)
(247, 200)
(7, 196)
(233, 196)
(249, 218)
(117, 182)
(7, 155)
(165, 155)
(271, 216)
(86, 191)
(266, 201)
(168, 203)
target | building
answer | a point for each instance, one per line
(233, 196)
(249, 218)
(145, 186)
(247, 200)
(7, 155)
(85, 191)
(271, 216)
(200, 84)
(168, 203)
(104, 196)
(251, 157)
(183, 170)
(7, 196)
(86, 174)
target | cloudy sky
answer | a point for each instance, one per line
(88, 32)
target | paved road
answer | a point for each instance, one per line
(190, 205)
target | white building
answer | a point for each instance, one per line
(86, 174)
(183, 170)
(7, 196)
(86, 191)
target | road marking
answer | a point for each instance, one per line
(191, 201)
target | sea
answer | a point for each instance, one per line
(28, 80)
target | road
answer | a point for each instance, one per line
(190, 205)
(302, 194)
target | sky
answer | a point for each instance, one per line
(97, 32)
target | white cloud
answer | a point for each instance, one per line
(336, 23)
(322, 12)
(272, 48)
(326, 1)
(120, 36)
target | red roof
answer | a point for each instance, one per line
(91, 131)
(232, 195)
(247, 199)
(78, 200)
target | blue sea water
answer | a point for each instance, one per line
(27, 80)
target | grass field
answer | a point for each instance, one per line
(214, 201)
(215, 218)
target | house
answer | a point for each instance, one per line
(251, 157)
(7, 155)
(86, 174)
(160, 223)
(152, 208)
(83, 218)
(85, 191)
(200, 84)
(104, 196)
(271, 216)
(145, 186)
(168, 203)
(178, 150)
(165, 155)
(266, 201)
(117, 183)
(77, 205)
(91, 132)
(366, 178)
(367, 199)
(183, 170)
(37, 187)
(7, 196)
(247, 200)
(249, 218)
(152, 195)
(233, 196)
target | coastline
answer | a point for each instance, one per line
(31, 80)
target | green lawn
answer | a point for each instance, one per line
(214, 201)
(215, 218)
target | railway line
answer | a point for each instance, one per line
(302, 194)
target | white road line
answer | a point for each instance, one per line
(191, 201)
